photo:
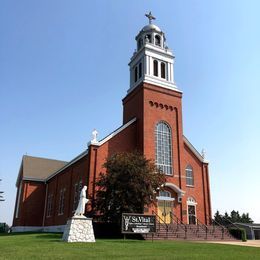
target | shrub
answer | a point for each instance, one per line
(239, 233)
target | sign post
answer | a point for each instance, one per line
(138, 224)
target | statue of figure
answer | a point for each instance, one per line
(82, 202)
(94, 136)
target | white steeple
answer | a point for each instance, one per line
(153, 61)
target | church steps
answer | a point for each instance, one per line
(194, 233)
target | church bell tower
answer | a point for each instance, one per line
(153, 96)
(152, 61)
(154, 100)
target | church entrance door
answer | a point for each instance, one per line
(192, 214)
(164, 211)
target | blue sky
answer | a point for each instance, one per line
(63, 72)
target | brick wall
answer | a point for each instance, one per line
(66, 180)
(149, 104)
(125, 141)
(31, 204)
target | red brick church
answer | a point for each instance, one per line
(48, 190)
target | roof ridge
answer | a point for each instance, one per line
(37, 157)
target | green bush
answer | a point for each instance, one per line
(2, 227)
(239, 233)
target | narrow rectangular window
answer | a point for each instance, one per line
(189, 176)
(163, 70)
(140, 70)
(77, 190)
(155, 68)
(136, 74)
(61, 202)
(75, 199)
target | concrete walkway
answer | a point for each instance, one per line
(254, 243)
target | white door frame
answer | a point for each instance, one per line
(191, 202)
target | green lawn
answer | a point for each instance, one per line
(50, 246)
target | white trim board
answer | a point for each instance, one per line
(117, 131)
(54, 229)
(194, 150)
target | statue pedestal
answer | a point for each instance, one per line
(79, 229)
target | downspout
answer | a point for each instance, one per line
(94, 180)
(208, 189)
(179, 159)
(204, 195)
(45, 204)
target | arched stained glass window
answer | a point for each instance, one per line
(163, 147)
(155, 68)
(189, 176)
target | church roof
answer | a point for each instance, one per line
(36, 168)
(151, 27)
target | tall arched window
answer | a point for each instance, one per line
(163, 147)
(163, 70)
(189, 176)
(155, 68)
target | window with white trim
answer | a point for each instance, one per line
(189, 176)
(191, 201)
(163, 147)
(157, 40)
(164, 193)
(138, 71)
(163, 74)
(148, 38)
(155, 68)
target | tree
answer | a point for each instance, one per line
(128, 185)
(245, 218)
(218, 217)
(1, 194)
(233, 217)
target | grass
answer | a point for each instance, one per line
(50, 246)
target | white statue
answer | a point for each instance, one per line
(82, 202)
(94, 136)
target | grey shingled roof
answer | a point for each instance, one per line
(40, 168)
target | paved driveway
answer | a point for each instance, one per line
(255, 243)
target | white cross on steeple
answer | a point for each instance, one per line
(150, 17)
